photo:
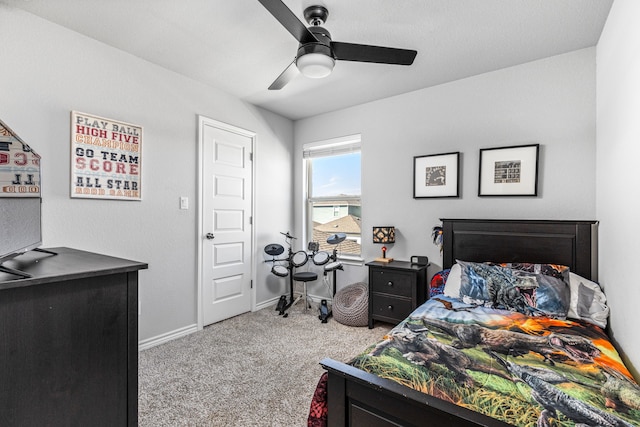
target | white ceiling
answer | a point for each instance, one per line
(237, 46)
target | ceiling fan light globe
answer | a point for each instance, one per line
(315, 65)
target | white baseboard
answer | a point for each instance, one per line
(169, 336)
(267, 303)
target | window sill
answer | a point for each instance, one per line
(351, 260)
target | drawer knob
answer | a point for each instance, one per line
(390, 307)
(389, 283)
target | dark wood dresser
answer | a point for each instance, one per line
(395, 290)
(69, 340)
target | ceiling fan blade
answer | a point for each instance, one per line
(285, 77)
(378, 54)
(288, 19)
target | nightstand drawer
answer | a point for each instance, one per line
(392, 282)
(390, 307)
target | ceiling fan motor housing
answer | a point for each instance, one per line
(323, 46)
(316, 59)
(315, 48)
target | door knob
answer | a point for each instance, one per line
(209, 236)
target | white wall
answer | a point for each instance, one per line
(617, 188)
(550, 102)
(47, 71)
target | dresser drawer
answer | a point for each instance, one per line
(392, 282)
(391, 307)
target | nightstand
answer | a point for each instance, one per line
(395, 290)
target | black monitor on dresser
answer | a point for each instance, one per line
(20, 226)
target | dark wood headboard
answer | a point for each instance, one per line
(570, 243)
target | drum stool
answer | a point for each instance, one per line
(304, 277)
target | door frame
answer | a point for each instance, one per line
(202, 121)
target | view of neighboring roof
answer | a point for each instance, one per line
(348, 246)
(347, 224)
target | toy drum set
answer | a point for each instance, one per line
(285, 266)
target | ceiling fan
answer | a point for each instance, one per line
(317, 53)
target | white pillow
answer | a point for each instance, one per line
(588, 302)
(452, 285)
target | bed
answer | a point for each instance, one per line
(459, 362)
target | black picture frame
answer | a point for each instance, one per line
(509, 171)
(436, 175)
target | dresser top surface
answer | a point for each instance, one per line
(66, 264)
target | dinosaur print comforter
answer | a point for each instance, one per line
(526, 371)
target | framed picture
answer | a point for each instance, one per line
(106, 158)
(19, 167)
(509, 171)
(436, 175)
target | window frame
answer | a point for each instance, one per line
(328, 148)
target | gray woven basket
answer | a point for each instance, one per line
(351, 305)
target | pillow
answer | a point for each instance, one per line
(585, 298)
(532, 289)
(588, 302)
(436, 286)
(481, 284)
(553, 295)
(452, 284)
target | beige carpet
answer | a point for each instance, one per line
(257, 369)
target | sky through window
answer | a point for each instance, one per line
(336, 175)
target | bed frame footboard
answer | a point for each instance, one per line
(357, 398)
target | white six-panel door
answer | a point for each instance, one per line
(226, 198)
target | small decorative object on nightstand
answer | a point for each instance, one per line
(385, 235)
(419, 260)
(395, 290)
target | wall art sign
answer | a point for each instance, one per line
(436, 175)
(19, 166)
(106, 158)
(509, 171)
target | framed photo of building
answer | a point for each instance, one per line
(436, 175)
(509, 171)
(106, 158)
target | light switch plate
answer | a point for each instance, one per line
(184, 203)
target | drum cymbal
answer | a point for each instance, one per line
(274, 249)
(334, 239)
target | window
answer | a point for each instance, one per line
(333, 193)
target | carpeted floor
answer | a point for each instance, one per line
(257, 369)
